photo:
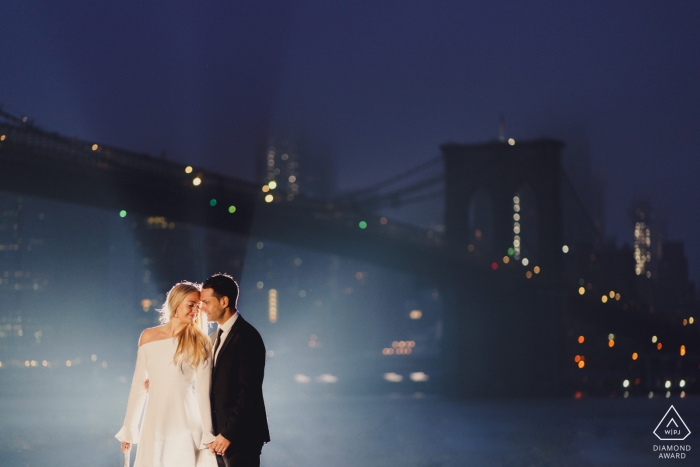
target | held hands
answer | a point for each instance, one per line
(219, 445)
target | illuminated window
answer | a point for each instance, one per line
(393, 377)
(516, 227)
(272, 306)
(642, 245)
(157, 222)
(419, 376)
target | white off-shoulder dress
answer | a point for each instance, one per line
(176, 424)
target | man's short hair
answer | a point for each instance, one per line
(223, 285)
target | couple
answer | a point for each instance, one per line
(222, 422)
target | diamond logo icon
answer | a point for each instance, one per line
(672, 427)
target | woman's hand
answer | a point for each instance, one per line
(125, 446)
(219, 445)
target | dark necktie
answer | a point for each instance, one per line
(217, 343)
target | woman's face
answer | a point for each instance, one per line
(188, 310)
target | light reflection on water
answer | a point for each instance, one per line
(62, 425)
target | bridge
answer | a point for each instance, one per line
(49, 165)
(507, 265)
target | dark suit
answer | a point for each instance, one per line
(238, 409)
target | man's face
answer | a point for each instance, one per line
(211, 305)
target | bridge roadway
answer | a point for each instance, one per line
(38, 163)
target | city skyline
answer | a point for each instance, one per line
(509, 212)
(382, 85)
(465, 232)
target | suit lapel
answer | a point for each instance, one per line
(234, 329)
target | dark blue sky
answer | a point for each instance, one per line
(382, 83)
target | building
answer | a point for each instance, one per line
(642, 218)
(53, 276)
(292, 166)
(675, 292)
(19, 281)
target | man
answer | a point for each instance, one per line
(238, 409)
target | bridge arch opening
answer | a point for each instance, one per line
(480, 220)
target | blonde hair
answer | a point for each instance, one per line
(192, 342)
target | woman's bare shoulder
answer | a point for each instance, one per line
(151, 334)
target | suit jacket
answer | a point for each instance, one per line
(237, 406)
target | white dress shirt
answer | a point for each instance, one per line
(226, 328)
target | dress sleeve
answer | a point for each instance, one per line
(137, 396)
(202, 385)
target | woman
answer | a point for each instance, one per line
(176, 426)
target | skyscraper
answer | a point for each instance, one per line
(20, 278)
(642, 219)
(674, 286)
(295, 167)
(281, 167)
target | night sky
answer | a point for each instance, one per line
(380, 83)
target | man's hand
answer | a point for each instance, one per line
(147, 383)
(219, 445)
(125, 446)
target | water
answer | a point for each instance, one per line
(63, 428)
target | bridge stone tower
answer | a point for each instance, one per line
(505, 332)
